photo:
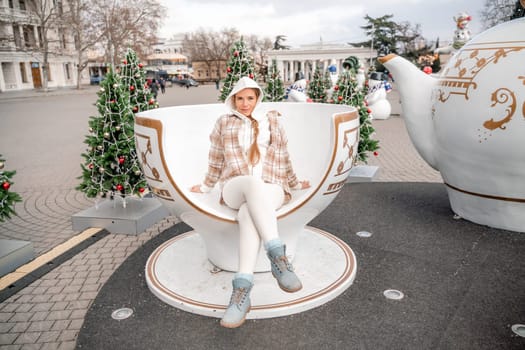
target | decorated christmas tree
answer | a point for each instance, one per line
(8, 198)
(346, 92)
(327, 80)
(133, 77)
(317, 86)
(111, 166)
(274, 90)
(239, 65)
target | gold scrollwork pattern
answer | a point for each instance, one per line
(460, 78)
(502, 96)
(149, 172)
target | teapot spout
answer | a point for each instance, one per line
(415, 89)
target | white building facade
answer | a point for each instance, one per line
(21, 55)
(307, 58)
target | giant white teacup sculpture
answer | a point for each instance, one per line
(469, 124)
(173, 144)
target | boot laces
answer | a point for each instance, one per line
(238, 296)
(282, 263)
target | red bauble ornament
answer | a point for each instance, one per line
(427, 69)
(121, 160)
(112, 101)
(375, 153)
(151, 101)
(120, 187)
(251, 76)
(366, 103)
(336, 87)
(236, 53)
(141, 189)
(90, 166)
(131, 88)
(135, 109)
(368, 111)
(6, 185)
(340, 98)
(141, 65)
(124, 61)
(229, 69)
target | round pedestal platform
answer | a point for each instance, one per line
(179, 273)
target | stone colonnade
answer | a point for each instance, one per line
(307, 58)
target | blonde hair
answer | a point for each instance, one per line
(254, 154)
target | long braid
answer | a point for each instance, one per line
(254, 154)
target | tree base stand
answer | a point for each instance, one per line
(179, 273)
(137, 216)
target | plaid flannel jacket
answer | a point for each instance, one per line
(226, 158)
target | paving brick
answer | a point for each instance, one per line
(58, 315)
(68, 345)
(39, 316)
(27, 338)
(40, 326)
(42, 307)
(72, 296)
(21, 317)
(78, 314)
(8, 307)
(68, 335)
(72, 288)
(79, 304)
(6, 339)
(55, 290)
(31, 347)
(50, 346)
(10, 347)
(20, 327)
(60, 325)
(76, 324)
(42, 298)
(61, 305)
(6, 326)
(50, 336)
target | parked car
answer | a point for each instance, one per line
(95, 79)
(185, 82)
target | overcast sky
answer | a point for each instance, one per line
(306, 21)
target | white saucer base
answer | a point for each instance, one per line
(179, 274)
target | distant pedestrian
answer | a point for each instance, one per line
(154, 87)
(162, 83)
(217, 84)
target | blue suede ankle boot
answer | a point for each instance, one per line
(239, 304)
(283, 270)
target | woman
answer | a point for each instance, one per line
(249, 159)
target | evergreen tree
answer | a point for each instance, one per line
(240, 65)
(274, 90)
(346, 92)
(317, 86)
(134, 78)
(111, 165)
(327, 81)
(7, 198)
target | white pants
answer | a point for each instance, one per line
(257, 203)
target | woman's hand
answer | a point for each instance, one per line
(304, 184)
(196, 189)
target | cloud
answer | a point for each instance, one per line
(309, 20)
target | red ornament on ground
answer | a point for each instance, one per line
(120, 187)
(376, 153)
(6, 185)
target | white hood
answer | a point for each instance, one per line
(242, 84)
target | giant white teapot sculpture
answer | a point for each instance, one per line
(469, 124)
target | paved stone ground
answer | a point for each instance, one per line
(42, 138)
